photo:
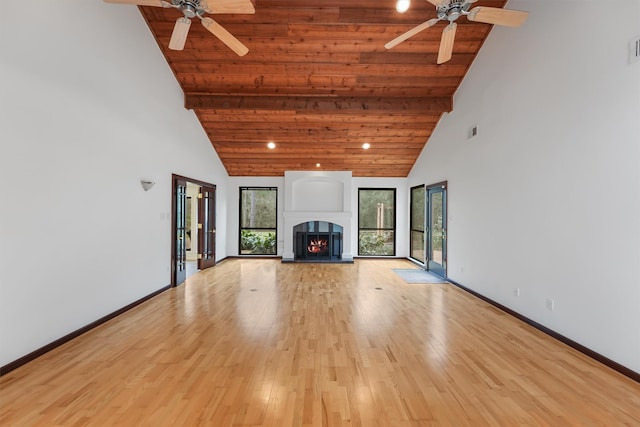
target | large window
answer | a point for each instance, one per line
(417, 222)
(258, 220)
(377, 221)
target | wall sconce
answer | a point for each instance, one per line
(146, 185)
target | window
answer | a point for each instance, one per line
(377, 221)
(258, 220)
(417, 223)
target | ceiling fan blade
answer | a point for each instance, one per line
(446, 42)
(159, 3)
(179, 35)
(225, 36)
(435, 2)
(228, 6)
(412, 32)
(495, 15)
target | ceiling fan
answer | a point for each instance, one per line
(197, 8)
(451, 10)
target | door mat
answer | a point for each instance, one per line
(416, 275)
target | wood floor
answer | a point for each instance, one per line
(261, 343)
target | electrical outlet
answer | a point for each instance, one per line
(516, 292)
(473, 131)
(551, 304)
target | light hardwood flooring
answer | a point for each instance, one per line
(260, 343)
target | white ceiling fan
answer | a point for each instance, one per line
(451, 10)
(197, 8)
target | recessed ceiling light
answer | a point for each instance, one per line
(271, 145)
(366, 145)
(317, 165)
(402, 5)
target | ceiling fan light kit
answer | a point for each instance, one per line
(451, 10)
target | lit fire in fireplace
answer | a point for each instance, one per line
(317, 246)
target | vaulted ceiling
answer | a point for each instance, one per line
(318, 82)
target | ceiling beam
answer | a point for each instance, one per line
(324, 104)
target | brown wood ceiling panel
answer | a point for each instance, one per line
(319, 83)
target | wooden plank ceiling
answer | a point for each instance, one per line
(319, 83)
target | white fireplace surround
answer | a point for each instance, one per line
(317, 196)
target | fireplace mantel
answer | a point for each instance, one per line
(317, 196)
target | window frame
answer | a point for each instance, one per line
(395, 219)
(260, 229)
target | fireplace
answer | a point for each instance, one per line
(317, 205)
(317, 241)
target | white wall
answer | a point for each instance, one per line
(547, 197)
(88, 107)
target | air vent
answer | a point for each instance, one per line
(634, 50)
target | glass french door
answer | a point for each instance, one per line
(436, 197)
(206, 227)
(180, 218)
(417, 223)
